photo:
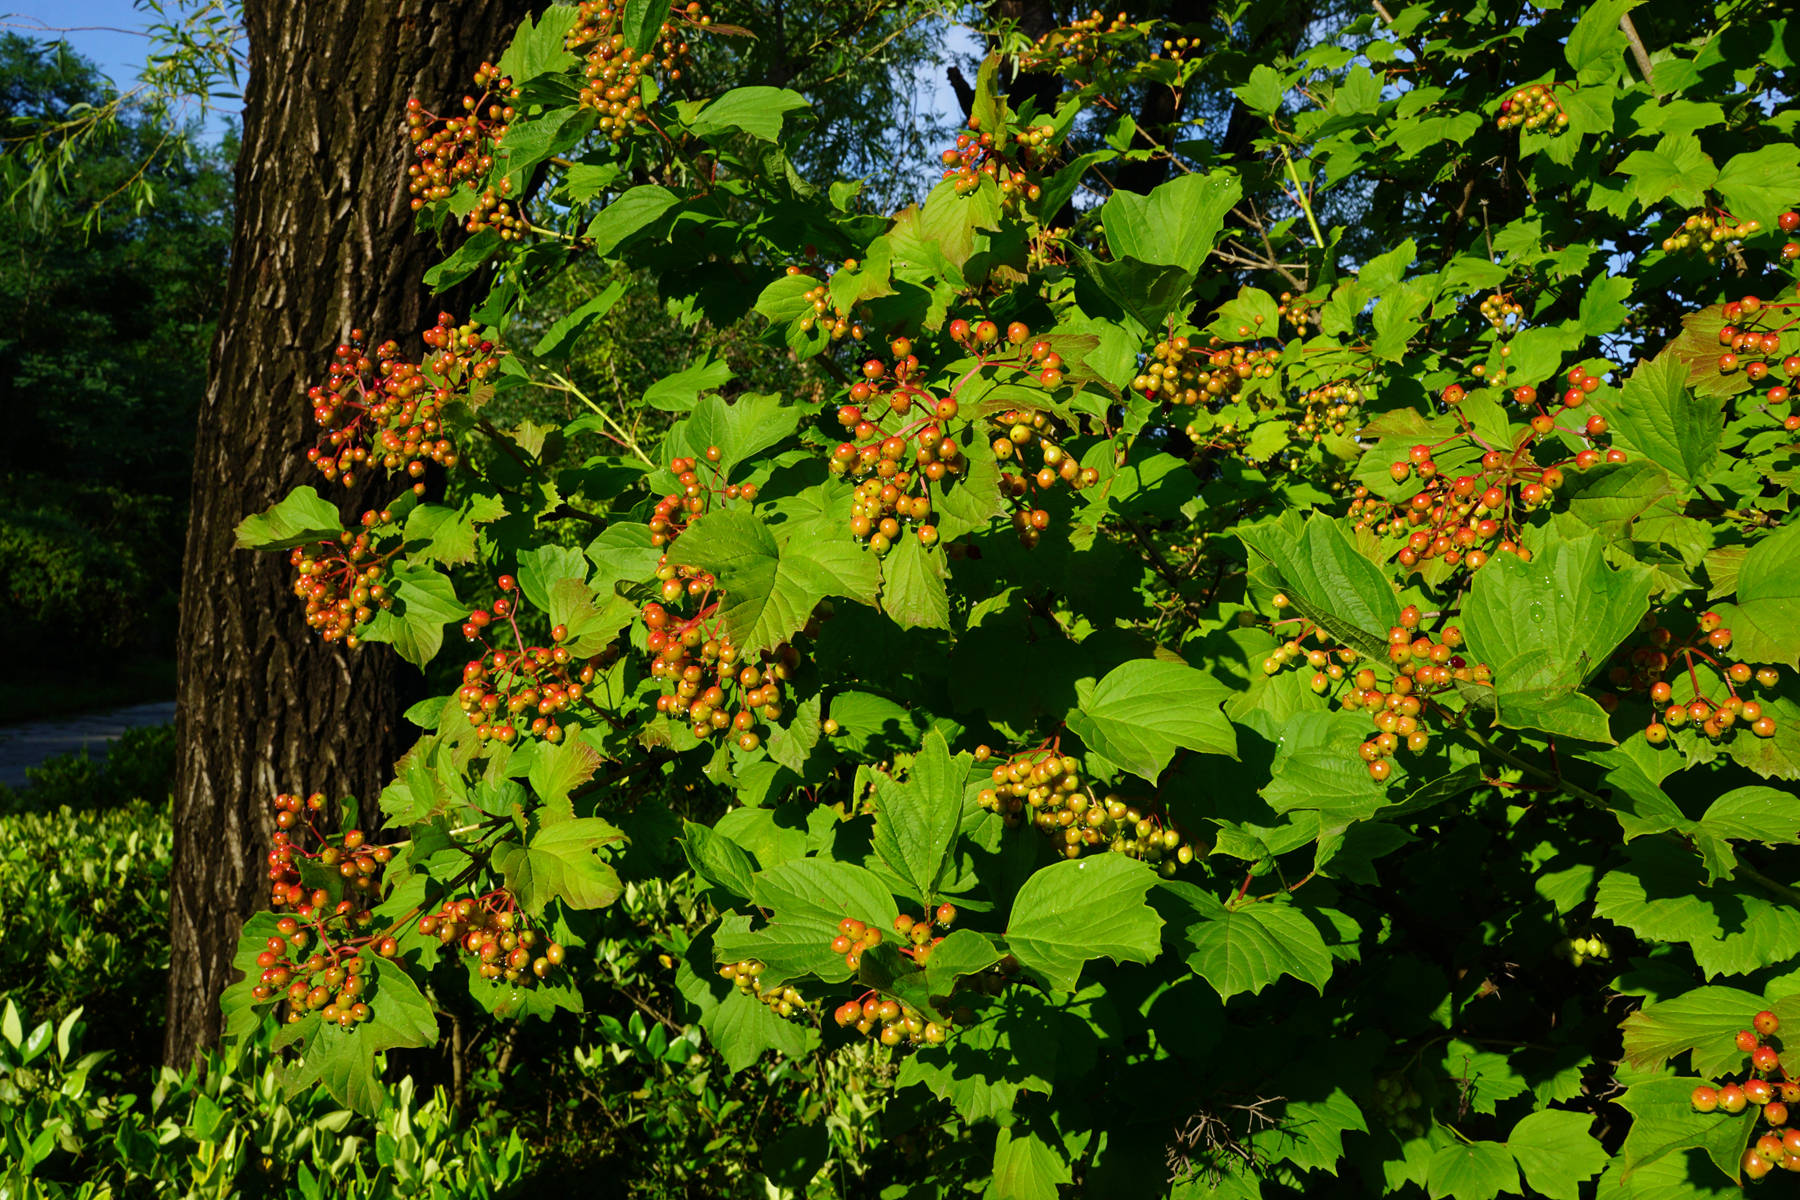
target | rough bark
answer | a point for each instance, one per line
(323, 242)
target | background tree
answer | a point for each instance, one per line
(106, 325)
(322, 243)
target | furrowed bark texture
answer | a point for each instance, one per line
(323, 242)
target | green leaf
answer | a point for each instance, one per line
(916, 822)
(717, 859)
(344, 1060)
(558, 768)
(537, 48)
(542, 567)
(1746, 814)
(770, 590)
(563, 862)
(741, 428)
(963, 952)
(792, 744)
(1596, 44)
(1765, 621)
(623, 553)
(912, 585)
(757, 111)
(573, 324)
(742, 1029)
(808, 897)
(1328, 581)
(1676, 168)
(1316, 766)
(1146, 709)
(424, 601)
(642, 21)
(1471, 1171)
(440, 534)
(464, 261)
(678, 392)
(1656, 415)
(1703, 1022)
(1175, 225)
(1556, 1152)
(1665, 1126)
(302, 516)
(1248, 949)
(1545, 626)
(1761, 184)
(1021, 1041)
(1080, 909)
(1025, 1168)
(1264, 90)
(1661, 894)
(629, 215)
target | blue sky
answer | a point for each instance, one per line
(111, 33)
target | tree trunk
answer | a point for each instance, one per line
(323, 242)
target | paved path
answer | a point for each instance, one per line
(29, 744)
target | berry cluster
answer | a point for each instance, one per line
(1533, 107)
(694, 497)
(356, 863)
(1769, 1087)
(1642, 668)
(1712, 234)
(746, 976)
(1501, 311)
(330, 981)
(1422, 668)
(853, 937)
(1399, 1102)
(1297, 311)
(341, 584)
(459, 151)
(1078, 45)
(1582, 949)
(898, 1021)
(709, 683)
(902, 436)
(317, 958)
(1044, 787)
(1753, 341)
(1180, 373)
(493, 931)
(1462, 521)
(888, 494)
(1018, 432)
(390, 412)
(614, 71)
(1328, 409)
(1011, 159)
(825, 314)
(517, 691)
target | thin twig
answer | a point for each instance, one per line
(1638, 50)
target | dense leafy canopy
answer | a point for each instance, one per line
(1238, 649)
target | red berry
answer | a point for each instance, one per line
(1766, 1023)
